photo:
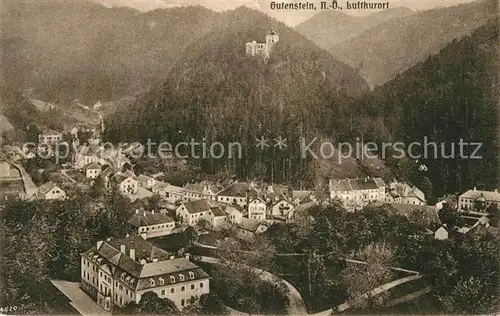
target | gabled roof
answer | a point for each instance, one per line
(92, 166)
(488, 195)
(305, 207)
(193, 188)
(46, 187)
(150, 273)
(356, 184)
(143, 178)
(231, 208)
(140, 219)
(51, 132)
(120, 177)
(218, 211)
(239, 189)
(276, 202)
(197, 206)
(259, 199)
(107, 172)
(160, 185)
(416, 192)
(250, 225)
(174, 189)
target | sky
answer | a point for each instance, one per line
(291, 18)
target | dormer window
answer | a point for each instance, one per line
(152, 281)
(181, 277)
(172, 279)
(162, 281)
(191, 275)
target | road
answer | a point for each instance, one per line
(297, 305)
(79, 300)
(29, 187)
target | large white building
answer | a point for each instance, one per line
(50, 137)
(237, 193)
(116, 272)
(152, 224)
(357, 193)
(191, 212)
(478, 200)
(50, 191)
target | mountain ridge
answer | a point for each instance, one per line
(331, 27)
(393, 46)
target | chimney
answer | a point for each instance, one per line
(122, 248)
(99, 244)
(142, 261)
(127, 236)
(132, 254)
(496, 190)
(186, 255)
(155, 259)
(172, 257)
(152, 212)
(136, 211)
(143, 236)
(475, 189)
(144, 213)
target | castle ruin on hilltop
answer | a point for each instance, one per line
(263, 49)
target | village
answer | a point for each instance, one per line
(121, 269)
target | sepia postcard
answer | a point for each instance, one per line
(249, 157)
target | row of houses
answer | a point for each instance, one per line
(357, 193)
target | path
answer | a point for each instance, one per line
(297, 305)
(409, 297)
(29, 186)
(79, 300)
(64, 173)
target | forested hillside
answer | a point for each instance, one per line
(391, 47)
(328, 28)
(217, 92)
(451, 96)
(69, 50)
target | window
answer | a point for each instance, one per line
(172, 279)
(183, 302)
(152, 282)
(192, 286)
(181, 277)
(162, 281)
(172, 290)
(183, 288)
(120, 287)
(162, 292)
(191, 275)
(201, 284)
(126, 291)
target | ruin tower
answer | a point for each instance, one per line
(271, 39)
